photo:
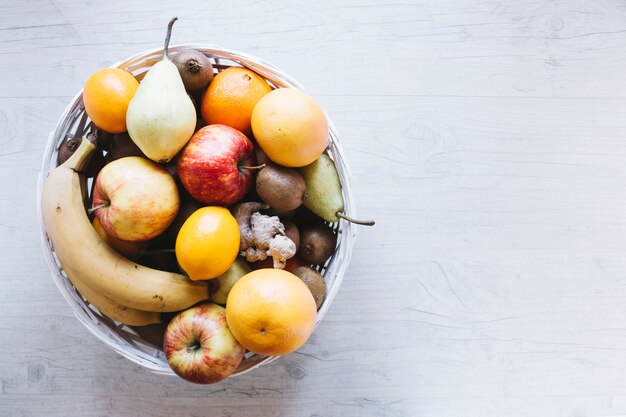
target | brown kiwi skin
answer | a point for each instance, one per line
(314, 280)
(195, 69)
(317, 243)
(282, 188)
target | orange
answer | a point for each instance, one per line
(271, 311)
(231, 97)
(290, 127)
(207, 243)
(132, 250)
(106, 96)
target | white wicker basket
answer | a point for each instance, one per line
(124, 339)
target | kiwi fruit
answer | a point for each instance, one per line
(194, 67)
(282, 188)
(314, 280)
(292, 232)
(317, 243)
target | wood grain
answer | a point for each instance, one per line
(486, 139)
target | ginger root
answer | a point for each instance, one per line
(243, 214)
(262, 235)
(281, 248)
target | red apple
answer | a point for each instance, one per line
(214, 166)
(199, 346)
(135, 199)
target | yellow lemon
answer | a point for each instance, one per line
(207, 243)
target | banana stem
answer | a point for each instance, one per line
(81, 156)
(103, 205)
(166, 54)
(351, 220)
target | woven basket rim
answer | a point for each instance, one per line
(119, 337)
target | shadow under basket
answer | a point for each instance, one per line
(126, 340)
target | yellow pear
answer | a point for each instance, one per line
(161, 117)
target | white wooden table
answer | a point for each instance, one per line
(488, 140)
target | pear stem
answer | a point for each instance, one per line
(351, 220)
(103, 205)
(252, 167)
(166, 54)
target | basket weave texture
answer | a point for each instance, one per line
(124, 339)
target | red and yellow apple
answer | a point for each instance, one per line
(135, 199)
(199, 346)
(217, 165)
(132, 250)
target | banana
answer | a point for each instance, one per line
(87, 259)
(113, 310)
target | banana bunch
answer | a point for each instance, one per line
(119, 288)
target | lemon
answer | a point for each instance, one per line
(207, 243)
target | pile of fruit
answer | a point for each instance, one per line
(210, 212)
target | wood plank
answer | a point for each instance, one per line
(527, 48)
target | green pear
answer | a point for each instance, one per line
(161, 117)
(323, 191)
(226, 281)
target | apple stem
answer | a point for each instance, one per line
(252, 167)
(166, 54)
(103, 205)
(355, 221)
(156, 251)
